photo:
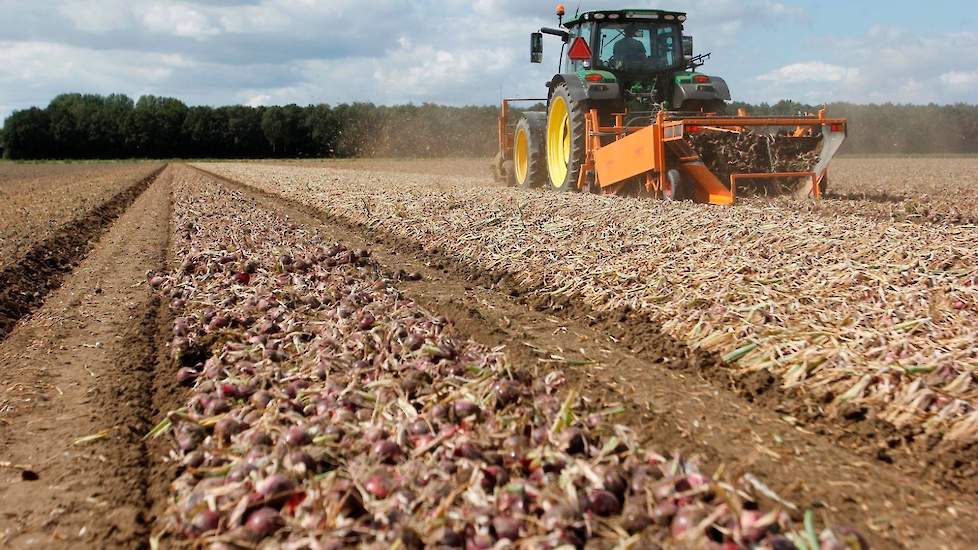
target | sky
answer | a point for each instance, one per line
(465, 52)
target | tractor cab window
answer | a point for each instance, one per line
(639, 47)
(583, 30)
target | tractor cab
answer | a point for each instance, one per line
(637, 47)
(643, 53)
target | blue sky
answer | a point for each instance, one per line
(465, 51)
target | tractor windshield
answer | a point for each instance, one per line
(639, 47)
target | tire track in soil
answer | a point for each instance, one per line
(670, 393)
(24, 285)
(84, 364)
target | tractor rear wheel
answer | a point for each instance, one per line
(565, 139)
(529, 160)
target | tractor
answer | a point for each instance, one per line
(630, 113)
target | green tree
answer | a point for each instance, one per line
(27, 135)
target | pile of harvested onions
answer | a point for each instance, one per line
(855, 311)
(326, 410)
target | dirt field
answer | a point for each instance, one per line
(726, 363)
(49, 215)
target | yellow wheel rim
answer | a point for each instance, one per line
(521, 156)
(558, 141)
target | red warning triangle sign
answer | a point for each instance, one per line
(579, 50)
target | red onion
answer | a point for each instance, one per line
(217, 406)
(380, 485)
(419, 427)
(603, 503)
(188, 436)
(464, 408)
(264, 522)
(469, 450)
(261, 399)
(274, 485)
(506, 528)
(187, 376)
(194, 459)
(204, 521)
(634, 516)
(366, 322)
(614, 480)
(297, 436)
(226, 428)
(663, 512)
(414, 342)
(385, 450)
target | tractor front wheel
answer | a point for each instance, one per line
(565, 139)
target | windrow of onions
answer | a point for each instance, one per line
(326, 410)
(857, 312)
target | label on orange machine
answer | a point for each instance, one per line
(626, 158)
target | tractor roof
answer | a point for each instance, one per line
(605, 15)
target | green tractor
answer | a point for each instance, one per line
(623, 109)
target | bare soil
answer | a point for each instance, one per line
(48, 227)
(38, 200)
(76, 395)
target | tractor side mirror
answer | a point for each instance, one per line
(687, 46)
(536, 47)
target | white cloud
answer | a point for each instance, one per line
(44, 65)
(813, 71)
(884, 64)
(258, 100)
(110, 15)
(179, 20)
(960, 78)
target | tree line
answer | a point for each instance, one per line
(89, 126)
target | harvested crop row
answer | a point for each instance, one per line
(858, 312)
(328, 410)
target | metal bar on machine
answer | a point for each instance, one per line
(755, 121)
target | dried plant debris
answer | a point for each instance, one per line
(858, 312)
(328, 411)
(921, 190)
(727, 153)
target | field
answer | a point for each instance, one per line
(384, 353)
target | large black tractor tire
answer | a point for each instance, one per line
(528, 168)
(497, 169)
(566, 139)
(676, 187)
